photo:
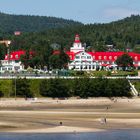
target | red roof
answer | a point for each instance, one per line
(71, 55)
(106, 56)
(15, 55)
(56, 52)
(97, 56)
(112, 56)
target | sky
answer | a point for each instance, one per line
(85, 11)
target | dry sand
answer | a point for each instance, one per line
(76, 115)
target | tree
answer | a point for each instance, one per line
(25, 59)
(81, 87)
(2, 52)
(64, 58)
(59, 61)
(1, 94)
(108, 40)
(54, 88)
(124, 61)
(137, 49)
(22, 88)
(55, 62)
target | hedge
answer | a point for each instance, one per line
(82, 87)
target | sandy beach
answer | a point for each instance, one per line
(68, 116)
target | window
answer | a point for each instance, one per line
(100, 57)
(136, 58)
(9, 68)
(110, 57)
(88, 57)
(83, 57)
(4, 68)
(104, 57)
(77, 57)
(115, 57)
(11, 56)
(93, 57)
(16, 56)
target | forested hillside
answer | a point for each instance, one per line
(10, 23)
(123, 34)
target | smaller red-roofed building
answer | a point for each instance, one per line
(17, 33)
(12, 62)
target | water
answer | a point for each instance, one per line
(109, 135)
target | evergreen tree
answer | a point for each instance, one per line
(124, 61)
(22, 87)
(54, 88)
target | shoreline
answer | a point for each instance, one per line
(77, 115)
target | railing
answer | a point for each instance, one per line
(133, 89)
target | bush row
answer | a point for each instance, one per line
(85, 87)
(60, 88)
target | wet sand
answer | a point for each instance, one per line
(72, 115)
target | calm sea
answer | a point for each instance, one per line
(110, 135)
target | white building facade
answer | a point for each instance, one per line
(83, 61)
(12, 62)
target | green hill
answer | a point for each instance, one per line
(25, 23)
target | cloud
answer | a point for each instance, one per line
(117, 12)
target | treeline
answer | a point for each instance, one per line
(64, 88)
(26, 23)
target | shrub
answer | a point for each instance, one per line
(54, 88)
(1, 94)
(22, 88)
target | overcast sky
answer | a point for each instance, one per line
(86, 11)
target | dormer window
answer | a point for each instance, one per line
(16, 56)
(136, 58)
(115, 57)
(110, 57)
(100, 57)
(105, 57)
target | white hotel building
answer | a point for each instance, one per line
(82, 60)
